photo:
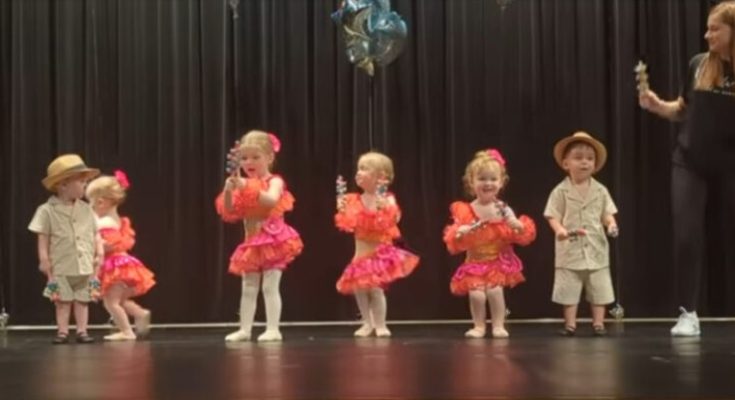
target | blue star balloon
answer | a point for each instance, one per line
(373, 34)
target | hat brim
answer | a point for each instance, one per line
(600, 150)
(50, 182)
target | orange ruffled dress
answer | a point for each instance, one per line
(387, 262)
(490, 259)
(273, 244)
(121, 267)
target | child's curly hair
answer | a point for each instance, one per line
(489, 159)
(108, 187)
(265, 142)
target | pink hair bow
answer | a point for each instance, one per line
(495, 154)
(275, 143)
(122, 178)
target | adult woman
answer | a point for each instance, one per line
(705, 153)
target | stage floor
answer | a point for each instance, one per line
(434, 362)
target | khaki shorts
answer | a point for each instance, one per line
(74, 288)
(568, 284)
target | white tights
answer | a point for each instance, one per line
(251, 283)
(373, 307)
(493, 296)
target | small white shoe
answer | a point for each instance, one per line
(475, 333)
(364, 331)
(382, 332)
(120, 336)
(271, 335)
(237, 336)
(500, 333)
(687, 325)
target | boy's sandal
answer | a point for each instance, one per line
(568, 331)
(599, 330)
(84, 338)
(61, 338)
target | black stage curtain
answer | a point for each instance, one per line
(161, 89)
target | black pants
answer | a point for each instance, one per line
(689, 196)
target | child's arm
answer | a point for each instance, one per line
(237, 197)
(510, 217)
(559, 231)
(608, 215)
(393, 204)
(44, 263)
(270, 197)
(554, 212)
(231, 183)
(99, 255)
(608, 220)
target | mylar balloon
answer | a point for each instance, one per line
(373, 34)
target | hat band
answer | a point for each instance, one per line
(77, 167)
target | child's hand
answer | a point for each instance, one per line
(562, 234)
(234, 182)
(612, 230)
(45, 268)
(99, 259)
(341, 203)
(463, 229)
(515, 224)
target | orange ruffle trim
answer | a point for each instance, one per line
(378, 269)
(462, 214)
(245, 203)
(119, 240)
(127, 270)
(248, 259)
(370, 225)
(491, 279)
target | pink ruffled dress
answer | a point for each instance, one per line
(490, 259)
(121, 267)
(387, 262)
(272, 244)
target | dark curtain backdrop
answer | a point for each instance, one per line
(161, 88)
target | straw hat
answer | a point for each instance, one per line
(66, 166)
(584, 137)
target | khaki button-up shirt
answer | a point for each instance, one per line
(574, 212)
(72, 232)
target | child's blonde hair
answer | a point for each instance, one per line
(484, 160)
(263, 141)
(380, 162)
(107, 187)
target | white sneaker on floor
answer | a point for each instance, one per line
(270, 336)
(237, 336)
(687, 325)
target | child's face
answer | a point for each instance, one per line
(101, 205)
(72, 188)
(255, 162)
(487, 183)
(367, 176)
(580, 162)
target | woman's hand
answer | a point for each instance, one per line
(649, 101)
